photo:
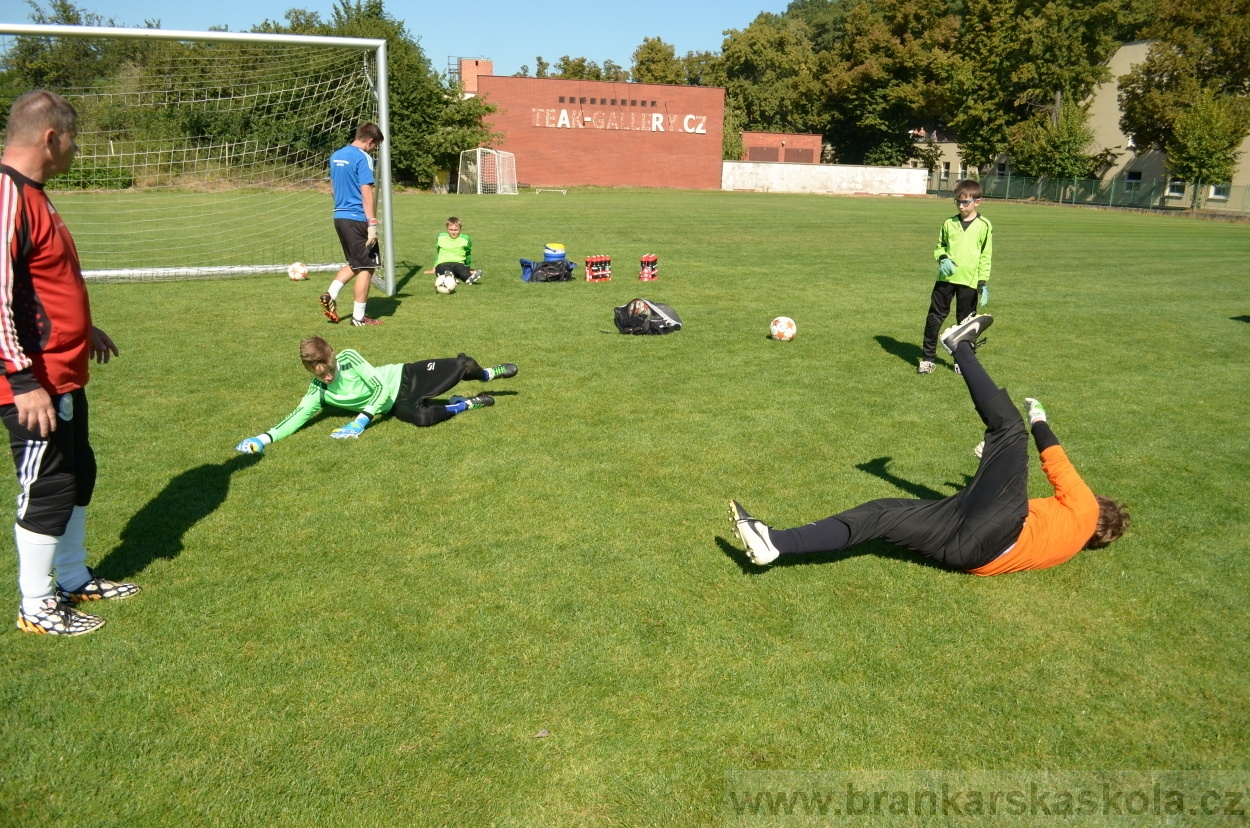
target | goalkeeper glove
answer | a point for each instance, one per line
(985, 293)
(946, 267)
(372, 239)
(1033, 411)
(352, 429)
(252, 445)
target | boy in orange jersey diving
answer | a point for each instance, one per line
(989, 528)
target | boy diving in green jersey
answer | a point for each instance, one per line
(349, 382)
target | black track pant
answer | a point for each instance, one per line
(940, 305)
(963, 531)
(456, 269)
(422, 380)
(55, 473)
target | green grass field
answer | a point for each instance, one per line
(371, 632)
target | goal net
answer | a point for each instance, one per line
(485, 171)
(203, 158)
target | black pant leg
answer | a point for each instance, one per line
(965, 302)
(422, 380)
(939, 307)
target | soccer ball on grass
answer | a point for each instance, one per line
(445, 283)
(782, 329)
(298, 272)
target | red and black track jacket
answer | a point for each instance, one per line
(45, 316)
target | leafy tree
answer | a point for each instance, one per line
(655, 61)
(772, 76)
(1202, 146)
(701, 68)
(1200, 45)
(1050, 147)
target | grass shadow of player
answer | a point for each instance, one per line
(156, 530)
(877, 468)
(401, 282)
(879, 548)
(909, 352)
(1240, 318)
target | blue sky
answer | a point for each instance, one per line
(509, 33)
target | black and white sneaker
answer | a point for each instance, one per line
(753, 534)
(475, 276)
(96, 589)
(56, 618)
(504, 371)
(966, 331)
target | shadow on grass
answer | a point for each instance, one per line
(413, 270)
(1240, 318)
(909, 352)
(878, 548)
(877, 468)
(157, 529)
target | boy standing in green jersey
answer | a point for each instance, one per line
(965, 246)
(351, 383)
(453, 253)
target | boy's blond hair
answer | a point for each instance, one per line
(315, 353)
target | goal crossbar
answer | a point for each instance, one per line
(377, 46)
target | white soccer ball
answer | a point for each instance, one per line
(445, 283)
(782, 329)
(298, 272)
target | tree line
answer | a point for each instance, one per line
(999, 76)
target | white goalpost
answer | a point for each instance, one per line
(204, 154)
(487, 171)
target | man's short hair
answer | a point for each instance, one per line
(315, 351)
(968, 189)
(369, 132)
(1113, 520)
(36, 111)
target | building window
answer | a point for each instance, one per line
(1221, 191)
(633, 103)
(561, 99)
(1132, 181)
(1002, 169)
(1176, 187)
(946, 169)
(653, 103)
(592, 100)
(614, 101)
(583, 100)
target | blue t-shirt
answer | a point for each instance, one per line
(350, 168)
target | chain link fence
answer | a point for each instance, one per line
(1159, 194)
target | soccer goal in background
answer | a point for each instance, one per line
(484, 171)
(205, 154)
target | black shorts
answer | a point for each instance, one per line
(420, 381)
(57, 472)
(973, 527)
(352, 236)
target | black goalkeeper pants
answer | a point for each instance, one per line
(55, 472)
(421, 381)
(964, 531)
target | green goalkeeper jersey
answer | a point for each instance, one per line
(357, 386)
(970, 249)
(458, 250)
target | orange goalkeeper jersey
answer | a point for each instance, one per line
(1057, 527)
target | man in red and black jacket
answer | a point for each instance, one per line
(46, 342)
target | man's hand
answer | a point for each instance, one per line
(371, 240)
(35, 412)
(252, 445)
(984, 290)
(352, 429)
(101, 346)
(946, 267)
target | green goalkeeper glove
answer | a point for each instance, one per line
(252, 445)
(946, 267)
(984, 290)
(1033, 411)
(352, 429)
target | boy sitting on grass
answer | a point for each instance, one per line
(349, 382)
(453, 253)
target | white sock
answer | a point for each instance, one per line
(71, 552)
(358, 310)
(335, 287)
(35, 554)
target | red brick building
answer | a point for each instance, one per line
(781, 146)
(598, 133)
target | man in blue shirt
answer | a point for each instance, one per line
(355, 221)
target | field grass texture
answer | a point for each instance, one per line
(372, 632)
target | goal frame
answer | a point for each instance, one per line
(377, 46)
(478, 153)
